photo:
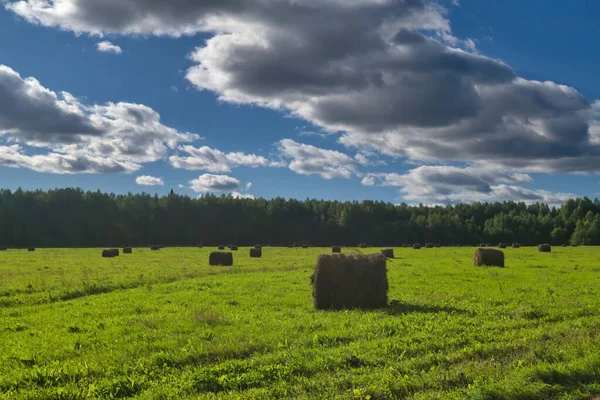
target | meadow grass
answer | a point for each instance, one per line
(163, 324)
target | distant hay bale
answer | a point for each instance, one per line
(233, 248)
(155, 248)
(350, 281)
(221, 247)
(336, 249)
(516, 245)
(482, 245)
(220, 258)
(544, 248)
(110, 253)
(127, 250)
(416, 246)
(31, 249)
(3, 249)
(429, 245)
(437, 245)
(362, 246)
(489, 257)
(575, 245)
(564, 245)
(256, 253)
(388, 253)
(258, 246)
(406, 245)
(200, 246)
(502, 245)
(305, 246)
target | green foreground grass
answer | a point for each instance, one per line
(162, 325)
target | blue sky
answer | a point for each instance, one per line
(417, 102)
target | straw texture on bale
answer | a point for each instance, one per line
(429, 245)
(256, 253)
(516, 245)
(221, 258)
(350, 281)
(502, 245)
(127, 250)
(489, 257)
(388, 253)
(544, 248)
(416, 246)
(336, 249)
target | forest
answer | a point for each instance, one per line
(76, 218)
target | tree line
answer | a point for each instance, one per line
(75, 218)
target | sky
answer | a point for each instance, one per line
(416, 101)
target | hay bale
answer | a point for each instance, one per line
(502, 245)
(3, 249)
(437, 245)
(221, 247)
(110, 253)
(31, 249)
(429, 245)
(544, 248)
(350, 281)
(233, 248)
(155, 248)
(305, 246)
(127, 250)
(256, 253)
(564, 245)
(220, 258)
(516, 245)
(336, 249)
(362, 246)
(388, 253)
(406, 245)
(416, 246)
(489, 257)
(200, 246)
(575, 245)
(482, 245)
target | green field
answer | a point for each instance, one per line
(162, 325)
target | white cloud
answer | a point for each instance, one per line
(310, 160)
(108, 47)
(111, 137)
(238, 195)
(212, 160)
(248, 185)
(214, 183)
(146, 180)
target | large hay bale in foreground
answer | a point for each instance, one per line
(127, 250)
(336, 249)
(350, 281)
(110, 253)
(220, 258)
(429, 245)
(388, 253)
(502, 245)
(416, 246)
(256, 253)
(544, 248)
(516, 245)
(489, 257)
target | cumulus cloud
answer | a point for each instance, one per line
(108, 47)
(212, 160)
(111, 137)
(214, 183)
(310, 160)
(238, 195)
(147, 180)
(450, 184)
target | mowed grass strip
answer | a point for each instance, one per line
(187, 330)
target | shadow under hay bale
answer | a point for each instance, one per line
(489, 258)
(416, 246)
(110, 253)
(350, 281)
(127, 250)
(217, 258)
(516, 245)
(544, 248)
(336, 249)
(256, 253)
(388, 253)
(429, 245)
(502, 245)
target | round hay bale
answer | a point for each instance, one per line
(256, 253)
(127, 250)
(336, 249)
(305, 246)
(233, 248)
(220, 258)
(564, 245)
(489, 257)
(429, 245)
(362, 246)
(31, 249)
(544, 248)
(388, 253)
(575, 245)
(406, 245)
(343, 281)
(437, 245)
(221, 247)
(200, 246)
(110, 253)
(482, 245)
(516, 245)
(155, 248)
(416, 246)
(502, 245)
